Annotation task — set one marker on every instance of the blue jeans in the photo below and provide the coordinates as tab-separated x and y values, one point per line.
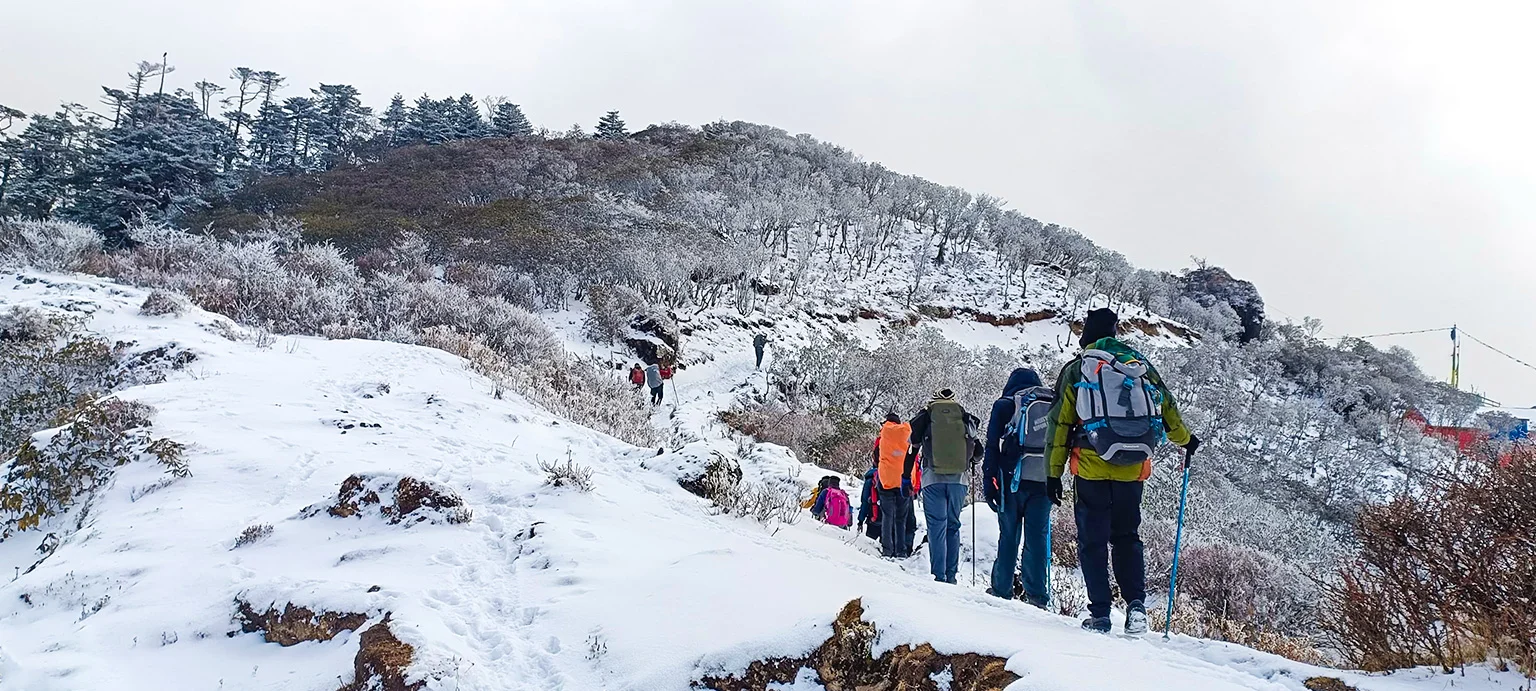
1025	513
941	506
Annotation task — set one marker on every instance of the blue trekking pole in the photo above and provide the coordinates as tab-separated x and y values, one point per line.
1178	539
1050	561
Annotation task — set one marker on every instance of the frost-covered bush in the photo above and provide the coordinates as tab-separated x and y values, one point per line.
50	245
567	473
611	311
53	470
161	303
46	366
826	438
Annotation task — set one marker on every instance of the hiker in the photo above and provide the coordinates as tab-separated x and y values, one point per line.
832	506
654	380
895	493
759	342
869	501
1016	486
1111	412
943	435
637	376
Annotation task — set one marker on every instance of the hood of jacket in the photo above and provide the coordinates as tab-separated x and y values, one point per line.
1021	379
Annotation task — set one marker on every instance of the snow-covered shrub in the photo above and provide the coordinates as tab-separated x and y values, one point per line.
398	499
762	502
253	534
53	470
50	245
161	303
611	310
568	473
46	366
826	438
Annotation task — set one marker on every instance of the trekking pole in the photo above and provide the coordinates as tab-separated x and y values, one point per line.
1050	560
970	484
1178	540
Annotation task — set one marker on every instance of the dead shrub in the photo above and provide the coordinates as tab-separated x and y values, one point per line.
1446	575
568	473
253	534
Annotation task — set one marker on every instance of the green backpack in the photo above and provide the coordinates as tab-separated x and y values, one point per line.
947	440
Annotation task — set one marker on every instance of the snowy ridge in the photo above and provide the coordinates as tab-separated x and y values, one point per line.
635	585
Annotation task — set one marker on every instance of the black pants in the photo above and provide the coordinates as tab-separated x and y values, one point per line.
895	513
1109	518
759	350
656	394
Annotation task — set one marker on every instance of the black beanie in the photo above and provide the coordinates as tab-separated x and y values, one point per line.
1099	323
893	417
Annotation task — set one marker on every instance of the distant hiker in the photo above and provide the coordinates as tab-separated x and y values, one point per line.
869	501
666	372
654	380
636	375
832	506
1112	410
1016	486
895	489
944	436
759	342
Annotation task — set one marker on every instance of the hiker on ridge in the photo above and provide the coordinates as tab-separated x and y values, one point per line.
1016	485
1111	412
943	434
654	381
895	489
637	376
759	342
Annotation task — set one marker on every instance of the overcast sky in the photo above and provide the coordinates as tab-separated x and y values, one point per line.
1372	164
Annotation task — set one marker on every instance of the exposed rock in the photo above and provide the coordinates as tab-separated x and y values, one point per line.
1210	285
1014	319
409	500
935	311
381	662
845	662
295	624
1327	684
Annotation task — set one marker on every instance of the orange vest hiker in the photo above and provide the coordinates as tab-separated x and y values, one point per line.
892	452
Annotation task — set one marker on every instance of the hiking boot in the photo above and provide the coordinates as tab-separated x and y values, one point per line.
1097	624
1136	619
1037	602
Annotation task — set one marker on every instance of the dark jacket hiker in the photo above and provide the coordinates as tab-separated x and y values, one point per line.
1014	481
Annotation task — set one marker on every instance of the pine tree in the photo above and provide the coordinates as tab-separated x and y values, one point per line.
342	124
168	163
509	121
393	124
467	121
301	115
430	121
44	161
611	127
271	145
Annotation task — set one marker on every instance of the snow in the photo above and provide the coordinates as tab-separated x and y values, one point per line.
635	585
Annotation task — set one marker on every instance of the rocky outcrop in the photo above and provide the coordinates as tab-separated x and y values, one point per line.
845	662
381	662
398	499
1327	684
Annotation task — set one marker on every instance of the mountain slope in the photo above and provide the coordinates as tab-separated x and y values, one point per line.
637	584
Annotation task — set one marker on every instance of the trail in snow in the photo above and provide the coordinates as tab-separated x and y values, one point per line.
636	585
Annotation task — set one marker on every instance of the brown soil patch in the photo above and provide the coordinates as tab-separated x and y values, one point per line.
845	662
295	624
1327	684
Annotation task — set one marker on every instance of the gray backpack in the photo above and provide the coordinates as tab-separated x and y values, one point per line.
1025	434
1121	410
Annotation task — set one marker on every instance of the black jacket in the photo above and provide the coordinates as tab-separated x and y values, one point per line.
998	461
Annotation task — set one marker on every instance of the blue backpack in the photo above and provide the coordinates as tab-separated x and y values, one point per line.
1024	435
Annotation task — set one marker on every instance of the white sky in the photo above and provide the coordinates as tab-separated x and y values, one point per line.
1370	163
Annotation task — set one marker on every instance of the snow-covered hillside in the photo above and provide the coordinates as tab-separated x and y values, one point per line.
637	584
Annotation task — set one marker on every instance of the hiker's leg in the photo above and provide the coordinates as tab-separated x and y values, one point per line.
935	515
1036	507
1092	509
909	527
954	503
891	523
1125	538
1009	522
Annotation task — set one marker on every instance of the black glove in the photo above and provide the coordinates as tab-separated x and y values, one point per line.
992	491
906	488
1190	448
1053	490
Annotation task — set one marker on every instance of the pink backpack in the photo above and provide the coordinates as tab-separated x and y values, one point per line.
838	511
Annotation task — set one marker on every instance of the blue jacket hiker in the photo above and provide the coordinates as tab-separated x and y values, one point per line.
1014	482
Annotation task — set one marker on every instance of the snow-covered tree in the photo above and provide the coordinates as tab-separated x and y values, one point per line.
508	121
610	126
